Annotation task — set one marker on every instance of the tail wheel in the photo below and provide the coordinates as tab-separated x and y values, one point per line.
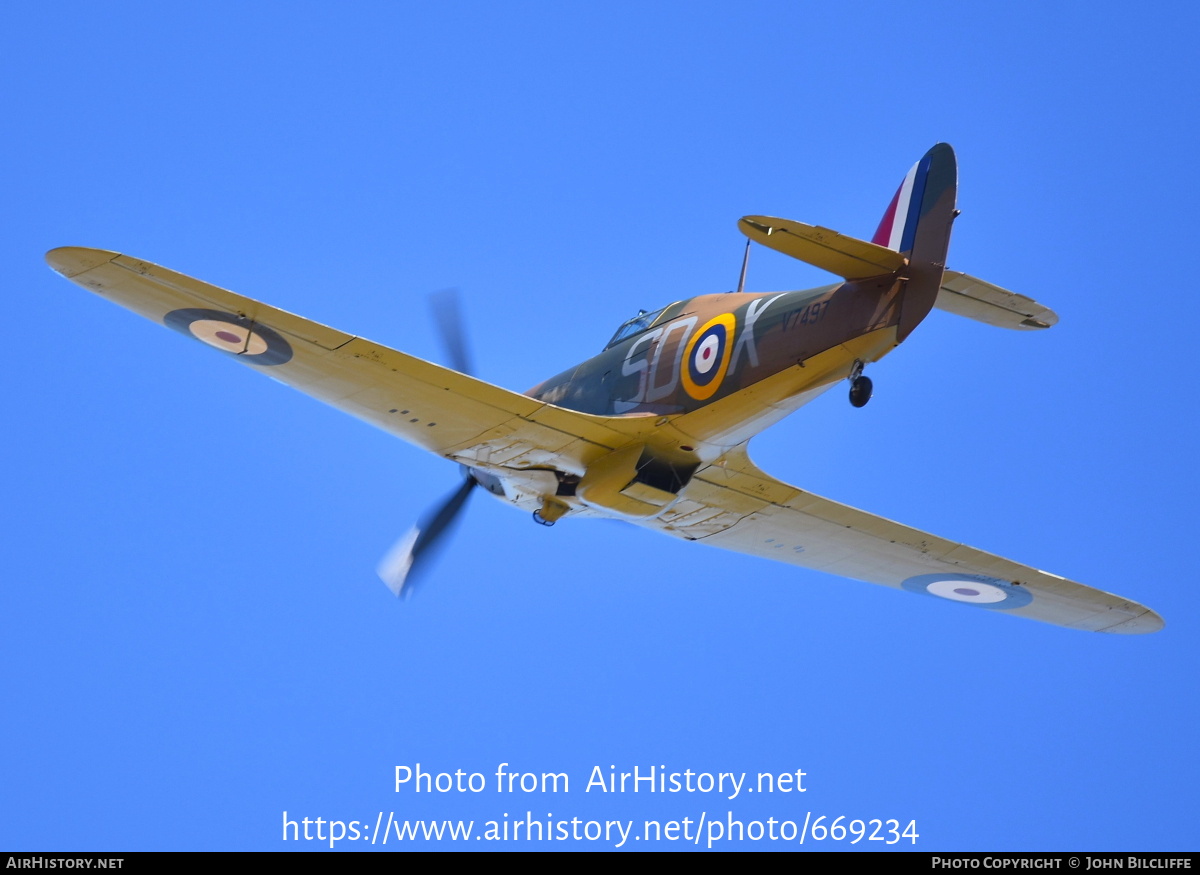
860	391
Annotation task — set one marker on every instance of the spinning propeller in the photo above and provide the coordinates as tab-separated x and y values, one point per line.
402	565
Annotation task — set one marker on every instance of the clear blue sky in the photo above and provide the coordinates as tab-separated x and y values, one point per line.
194	640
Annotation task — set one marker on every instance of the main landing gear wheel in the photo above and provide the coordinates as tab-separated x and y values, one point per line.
860	391
550	512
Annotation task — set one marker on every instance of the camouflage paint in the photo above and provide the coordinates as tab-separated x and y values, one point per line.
654	372
704	349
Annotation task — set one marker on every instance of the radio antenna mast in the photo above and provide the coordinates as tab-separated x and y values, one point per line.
745	263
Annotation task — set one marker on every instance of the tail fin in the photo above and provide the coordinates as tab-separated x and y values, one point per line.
917	225
930	176
911	241
904	211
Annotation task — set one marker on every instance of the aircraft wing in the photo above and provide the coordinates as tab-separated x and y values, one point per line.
436	408
735	505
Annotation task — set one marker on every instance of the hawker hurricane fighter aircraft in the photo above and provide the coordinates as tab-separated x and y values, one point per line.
654	429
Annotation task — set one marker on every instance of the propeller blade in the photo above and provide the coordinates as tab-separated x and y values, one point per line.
448	314
405	559
402	564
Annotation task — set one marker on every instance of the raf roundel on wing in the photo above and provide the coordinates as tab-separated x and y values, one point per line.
228	332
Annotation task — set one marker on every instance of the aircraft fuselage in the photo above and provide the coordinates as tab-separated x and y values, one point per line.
703	350
710	372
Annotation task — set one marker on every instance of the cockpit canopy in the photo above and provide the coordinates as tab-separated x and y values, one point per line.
636	325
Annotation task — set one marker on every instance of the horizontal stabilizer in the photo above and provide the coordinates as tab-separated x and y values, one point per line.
967	296
844	256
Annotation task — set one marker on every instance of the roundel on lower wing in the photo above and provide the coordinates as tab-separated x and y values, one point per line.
971	589
228	332
706	357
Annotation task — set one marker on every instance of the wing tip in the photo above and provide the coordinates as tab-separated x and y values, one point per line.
71	261
1143	624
